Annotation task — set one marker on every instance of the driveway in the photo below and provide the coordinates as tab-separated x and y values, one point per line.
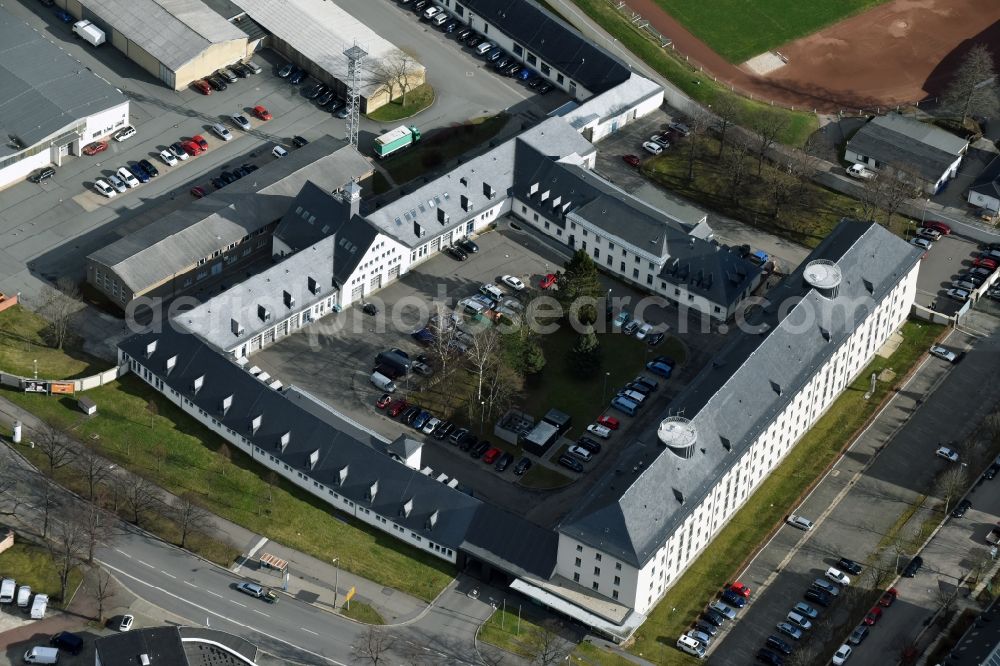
885	472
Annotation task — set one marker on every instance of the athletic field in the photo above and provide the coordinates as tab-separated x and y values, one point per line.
740	29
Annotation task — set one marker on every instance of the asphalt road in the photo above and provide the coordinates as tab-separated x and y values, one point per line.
885	471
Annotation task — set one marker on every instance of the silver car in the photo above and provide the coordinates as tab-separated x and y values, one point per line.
221	132
241	122
117	183
722	608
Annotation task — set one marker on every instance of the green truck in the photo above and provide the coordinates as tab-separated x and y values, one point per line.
396	139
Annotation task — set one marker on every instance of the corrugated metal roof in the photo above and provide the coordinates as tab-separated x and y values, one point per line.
175	32
43	90
898	141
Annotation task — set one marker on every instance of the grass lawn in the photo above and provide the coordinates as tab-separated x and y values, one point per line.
33	566
437	148
588	654
769	504
361	612
807	222
698	86
544	478
22	341
180	455
417	100
557	386
503	630
738	30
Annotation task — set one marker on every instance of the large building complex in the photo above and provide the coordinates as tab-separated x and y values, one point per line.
50	104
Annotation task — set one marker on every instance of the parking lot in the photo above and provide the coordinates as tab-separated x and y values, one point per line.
52	226
333	360
947	259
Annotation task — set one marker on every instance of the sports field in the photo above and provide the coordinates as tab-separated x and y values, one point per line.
740	29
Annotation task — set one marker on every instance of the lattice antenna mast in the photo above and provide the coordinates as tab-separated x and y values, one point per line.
355	58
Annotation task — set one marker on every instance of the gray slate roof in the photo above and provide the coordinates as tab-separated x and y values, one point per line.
43	90
178	240
512	542
635	507
703	267
366	462
988	182
555	42
177	646
399	218
174	32
897	140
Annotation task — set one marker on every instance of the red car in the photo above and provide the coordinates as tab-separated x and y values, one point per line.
382	402
202	87
873	616
96	147
940	227
740	589
198	192
631	160
609	422
491	456
888	597
396	407
983	262
191	148
200	140
261	112
548	281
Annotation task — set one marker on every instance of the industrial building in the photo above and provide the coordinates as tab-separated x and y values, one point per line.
50	105
177	41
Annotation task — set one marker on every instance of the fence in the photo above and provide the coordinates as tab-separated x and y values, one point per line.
33	385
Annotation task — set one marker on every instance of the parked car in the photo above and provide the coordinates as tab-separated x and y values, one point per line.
913	567
850	566
504	462
960	295
468	245
514	283
947	454
652	148
104	187
227	75
991	471
769	657
117	183
820	597
873	616
286	70
383	401
789	630
580	452
680	128
570	462
95	148
126	623
936	225
202	86
841	656
740	589
297	76
601	431
548	281
609	422
480	449
658	368
42	175
396	407
125	133
127	177
591	445
456	253
838	576
198	192
168	157
859	634
420	419
944	354
241	121
779	645
798	620
733	599
148	167
826	586
430	425
805	610
632	160
216	83
523	465
888	597
961	509
712	617
727	611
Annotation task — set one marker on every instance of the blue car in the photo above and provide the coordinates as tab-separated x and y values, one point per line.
733	599
139	172
526	74
659	368
423	336
297	76
421	419
64	16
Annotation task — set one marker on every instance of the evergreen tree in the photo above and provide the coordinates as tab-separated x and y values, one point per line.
579	280
585	357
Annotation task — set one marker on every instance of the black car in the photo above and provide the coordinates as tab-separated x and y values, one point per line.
286	70
589	444
457	435
706	627
480	448
569	462
450	26
468	442
44	174
500	63
544	88
818	597
410	414
646	383
218	183
228	177
325	98
297	76
463	34
474	41
991	471
962	507
241	70
523	465
64	640
443	430
494	55
639	387
713	617
505	460
250	168
150	169
457	253
315	91
299	141
535	82
913	567
778	645
419	4
216	83
850	566
370	309
769	657
655	339
511	69
468	246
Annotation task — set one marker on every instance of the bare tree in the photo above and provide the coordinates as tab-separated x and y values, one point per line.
96	526
880	573
66	548
544	645
727	111
735	162
804	655
483	354
442	350
767	127
272	480
973	90
139	496
373	646
698	123
46	502
871	198
191	518
59	305
951	484
991	426
54	444
946	597
103	591
93	468
393	73
226	455
979	563
900	184
153	411
502	384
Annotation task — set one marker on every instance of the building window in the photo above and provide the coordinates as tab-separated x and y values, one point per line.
623	267
618	566
597	253
532	59
576	578
618	580
578	562
545	70
579	548
614	594
595	585
597	571
649	279
518	51
597	556
635	273
559	79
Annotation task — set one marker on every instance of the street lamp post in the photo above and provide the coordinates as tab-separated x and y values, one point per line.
336	580
482	416
604	394
35	364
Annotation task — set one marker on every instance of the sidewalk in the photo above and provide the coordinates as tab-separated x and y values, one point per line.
310	580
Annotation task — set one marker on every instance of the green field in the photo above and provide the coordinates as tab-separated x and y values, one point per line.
740	29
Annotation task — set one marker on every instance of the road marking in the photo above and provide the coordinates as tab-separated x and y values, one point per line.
309	631
123	553
187	582
167	574
148	565
249	556
261	613
237	603
214	593
220	616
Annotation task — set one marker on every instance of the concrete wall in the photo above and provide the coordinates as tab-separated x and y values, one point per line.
79	385
102	124
213	58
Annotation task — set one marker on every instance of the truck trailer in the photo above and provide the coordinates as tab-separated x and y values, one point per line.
89	32
396	139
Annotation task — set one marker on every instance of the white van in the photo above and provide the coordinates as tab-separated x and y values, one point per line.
23	596
432	11
38	606
634	396
484	47
691	646
7	588
492	291
383	382
440	19
42	655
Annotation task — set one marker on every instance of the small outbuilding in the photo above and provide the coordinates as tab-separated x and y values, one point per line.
561	420
87	406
